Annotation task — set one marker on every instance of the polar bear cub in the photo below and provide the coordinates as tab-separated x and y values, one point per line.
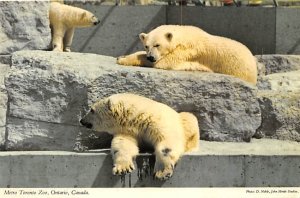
133	120
63	20
189	48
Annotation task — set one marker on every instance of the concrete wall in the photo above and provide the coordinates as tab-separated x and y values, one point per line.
288	31
263	30
63	169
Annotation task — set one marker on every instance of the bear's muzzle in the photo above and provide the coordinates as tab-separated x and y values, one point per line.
151	59
86	124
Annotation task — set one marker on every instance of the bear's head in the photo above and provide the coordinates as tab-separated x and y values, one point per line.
100	117
88	19
157	44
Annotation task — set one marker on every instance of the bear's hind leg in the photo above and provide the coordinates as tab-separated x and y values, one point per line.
167	156
124	149
68	39
57	38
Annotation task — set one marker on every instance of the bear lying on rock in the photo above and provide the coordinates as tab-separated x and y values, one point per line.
134	121
189	48
63	21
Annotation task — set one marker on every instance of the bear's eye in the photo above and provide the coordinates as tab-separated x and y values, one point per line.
146	46
92	111
157	45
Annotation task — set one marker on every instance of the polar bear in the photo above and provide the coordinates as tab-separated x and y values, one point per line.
136	121
63	20
189	48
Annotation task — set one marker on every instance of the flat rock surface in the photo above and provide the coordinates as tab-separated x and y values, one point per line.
255	147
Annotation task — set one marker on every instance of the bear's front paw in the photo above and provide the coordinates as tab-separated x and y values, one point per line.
122	60
164	174
67	49
57	49
123	167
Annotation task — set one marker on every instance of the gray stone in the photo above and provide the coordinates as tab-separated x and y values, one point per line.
33	135
3	104
276	63
288	81
280	115
57	88
3	95
24	25
2	138
5	59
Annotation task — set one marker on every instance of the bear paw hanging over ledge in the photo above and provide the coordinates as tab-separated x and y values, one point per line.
134	120
63	20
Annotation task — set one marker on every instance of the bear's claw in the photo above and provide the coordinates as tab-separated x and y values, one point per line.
122	168
163	175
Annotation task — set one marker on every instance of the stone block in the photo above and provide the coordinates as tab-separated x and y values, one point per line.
24	26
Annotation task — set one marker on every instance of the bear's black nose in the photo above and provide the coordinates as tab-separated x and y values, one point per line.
151	59
97	22
86	124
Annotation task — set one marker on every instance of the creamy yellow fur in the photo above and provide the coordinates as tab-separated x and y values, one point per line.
189	48
63	20
134	120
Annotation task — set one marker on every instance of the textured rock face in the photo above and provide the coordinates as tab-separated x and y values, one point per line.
277	63
278	96
3	103
288	81
51	91
24	25
280	115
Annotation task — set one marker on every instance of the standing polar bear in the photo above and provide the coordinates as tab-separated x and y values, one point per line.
135	121
63	20
189	48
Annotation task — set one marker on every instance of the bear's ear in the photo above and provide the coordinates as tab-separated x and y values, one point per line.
109	105
169	36
142	36
83	15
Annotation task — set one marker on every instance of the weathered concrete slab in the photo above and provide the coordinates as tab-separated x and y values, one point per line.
258	35
277	33
93	169
287	28
255	147
279	171
117	34
280	115
24	25
57	87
